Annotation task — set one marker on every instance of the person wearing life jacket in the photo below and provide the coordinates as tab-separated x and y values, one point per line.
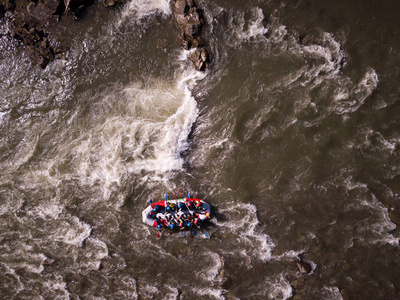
197	204
180	206
189	203
155	209
171	206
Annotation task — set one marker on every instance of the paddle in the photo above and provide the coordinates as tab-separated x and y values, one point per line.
206	234
179	193
194	232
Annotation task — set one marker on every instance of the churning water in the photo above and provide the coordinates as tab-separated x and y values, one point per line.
292	136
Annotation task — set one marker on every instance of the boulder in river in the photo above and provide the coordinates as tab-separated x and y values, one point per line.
304	267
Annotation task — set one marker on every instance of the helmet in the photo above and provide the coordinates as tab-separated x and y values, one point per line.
188	224
207	214
159	226
180	205
172	226
168	208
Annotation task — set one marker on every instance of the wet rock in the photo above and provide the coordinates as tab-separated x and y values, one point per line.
345	295
226	282
32	22
304	267
222	18
37	57
199	58
31	7
109	3
190	20
394	216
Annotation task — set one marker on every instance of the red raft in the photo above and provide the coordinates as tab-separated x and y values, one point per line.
177	214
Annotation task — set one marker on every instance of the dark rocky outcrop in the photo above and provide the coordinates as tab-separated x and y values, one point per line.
190	20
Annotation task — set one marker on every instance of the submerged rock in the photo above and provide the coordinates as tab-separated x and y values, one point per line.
304	267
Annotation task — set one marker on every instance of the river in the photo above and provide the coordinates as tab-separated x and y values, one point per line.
291	135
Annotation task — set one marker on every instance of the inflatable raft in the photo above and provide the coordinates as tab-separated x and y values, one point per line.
177	214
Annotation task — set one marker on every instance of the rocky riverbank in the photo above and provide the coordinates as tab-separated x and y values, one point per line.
31	23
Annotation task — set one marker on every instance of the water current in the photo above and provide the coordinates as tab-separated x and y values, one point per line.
291	135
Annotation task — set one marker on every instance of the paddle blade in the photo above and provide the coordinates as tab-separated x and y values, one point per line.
194	232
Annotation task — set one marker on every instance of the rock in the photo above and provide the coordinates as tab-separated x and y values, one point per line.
109	3
394	216
36	57
31	6
222	18
304	267
199	58
190	21
33	21
225	282
345	295
2	11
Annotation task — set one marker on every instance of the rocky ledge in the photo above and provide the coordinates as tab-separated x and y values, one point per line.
30	21
33	20
190	20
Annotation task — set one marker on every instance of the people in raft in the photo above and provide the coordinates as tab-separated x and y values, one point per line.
180	220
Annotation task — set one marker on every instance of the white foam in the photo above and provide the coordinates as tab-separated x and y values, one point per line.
349	98
126	288
59	285
331	293
377	229
242	221
274	288
255	28
279	288
72	232
139	9
210	272
209	292
143	127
